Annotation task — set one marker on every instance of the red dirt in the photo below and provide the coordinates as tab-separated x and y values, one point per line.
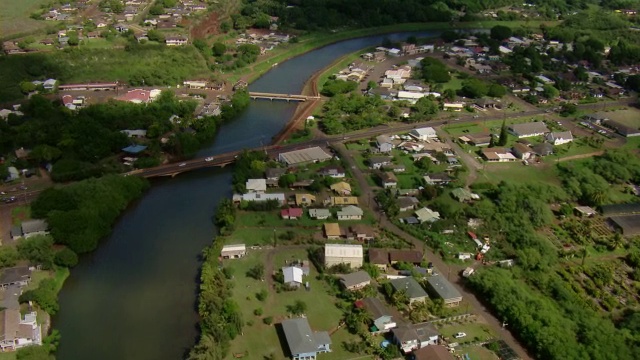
210	25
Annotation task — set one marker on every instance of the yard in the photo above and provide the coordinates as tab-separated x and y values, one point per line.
260	339
481	126
15	20
629	117
518	173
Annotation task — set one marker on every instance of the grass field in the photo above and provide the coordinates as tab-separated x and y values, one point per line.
480	126
518	173
629	117
15	20
260	339
455	83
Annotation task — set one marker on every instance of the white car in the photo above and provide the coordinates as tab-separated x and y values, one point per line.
210	158
459	335
183	164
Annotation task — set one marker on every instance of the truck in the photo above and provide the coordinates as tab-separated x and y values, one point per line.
468	272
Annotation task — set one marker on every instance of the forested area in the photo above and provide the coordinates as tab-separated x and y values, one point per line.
81	214
344	113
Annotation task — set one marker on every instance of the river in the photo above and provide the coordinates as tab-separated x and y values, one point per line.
135	297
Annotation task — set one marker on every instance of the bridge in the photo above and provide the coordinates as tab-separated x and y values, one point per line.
275	96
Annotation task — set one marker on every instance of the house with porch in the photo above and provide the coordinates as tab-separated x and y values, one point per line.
303	343
415	336
350	212
336	172
319	214
19	275
292	276
355	281
379	258
384	143
18	331
388	180
442	288
332	231
559	138
341	188
427	215
529	129
380	315
362	232
305	199
291	213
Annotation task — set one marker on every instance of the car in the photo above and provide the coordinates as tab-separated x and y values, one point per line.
183	164
459	335
22	187
210	158
3	193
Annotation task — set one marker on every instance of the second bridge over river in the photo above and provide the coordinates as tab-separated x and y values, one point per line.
287	97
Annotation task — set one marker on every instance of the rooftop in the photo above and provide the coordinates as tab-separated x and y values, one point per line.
410	256
352	279
343	250
443	287
378	256
14	274
300	338
410	285
304	156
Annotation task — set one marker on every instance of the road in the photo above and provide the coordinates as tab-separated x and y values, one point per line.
452	272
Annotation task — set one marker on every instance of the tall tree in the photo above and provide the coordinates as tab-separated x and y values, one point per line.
504	135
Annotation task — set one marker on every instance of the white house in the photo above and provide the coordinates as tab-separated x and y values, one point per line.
453	106
256	185
384	143
18	332
559	138
319	214
233	251
350	212
424	134
427	215
343	254
415	336
412	97
292	276
528	129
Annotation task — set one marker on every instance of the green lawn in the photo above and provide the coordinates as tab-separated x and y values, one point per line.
15	20
474	331
260	339
519	173
8	355
629	117
455	83
632	143
20	214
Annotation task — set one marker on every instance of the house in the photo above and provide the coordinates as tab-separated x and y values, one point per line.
396	168
343	254
433	352
443	289
407	203
559	138
427	215
305	199
498	155
415	336
258	197
19	275
291	213
622	129
379	258
34	227
292	276
378	312
627	225
362	232
302	342
542	149
16	232
341	188
437	179
49	84
273	175
14	174
464	195
343	200
304	156
384	143
376	162
528	129
256	185
412	289
453	106
620	209
336	172
479	139
424	134
350	212
584	211
389	180
408	256
356	280
17	332
234	251
136	96
319	214
522	152
176	40
332	231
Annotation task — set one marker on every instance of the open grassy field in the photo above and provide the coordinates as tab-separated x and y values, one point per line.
15	20
260	339
629	117
482	126
518	173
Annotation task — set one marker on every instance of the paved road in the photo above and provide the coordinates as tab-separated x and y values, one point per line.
452	272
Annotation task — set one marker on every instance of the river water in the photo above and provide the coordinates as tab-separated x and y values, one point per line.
135	297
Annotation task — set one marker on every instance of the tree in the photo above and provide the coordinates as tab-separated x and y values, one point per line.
156	9
225	26
218	48
434	71
371	85
66	258
501	32
504	135
549	91
497	90
34	352
256	272
474	88
27	87
38	250
8	256
297	308
155	35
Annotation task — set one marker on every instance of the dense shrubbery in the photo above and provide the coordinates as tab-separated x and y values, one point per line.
82	213
334	87
343	113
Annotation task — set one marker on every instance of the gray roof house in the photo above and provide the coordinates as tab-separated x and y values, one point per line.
319	214
20	275
381	316
377	162
414	291
292	275
384	143
350	212
34	227
356	280
528	129
444	290
415	336
303	343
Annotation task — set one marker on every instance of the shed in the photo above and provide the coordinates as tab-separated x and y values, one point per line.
233	251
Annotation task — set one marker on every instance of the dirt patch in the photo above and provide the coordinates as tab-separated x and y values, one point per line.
210	25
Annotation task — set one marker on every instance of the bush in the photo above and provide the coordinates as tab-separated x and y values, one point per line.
268	320
66	258
45	295
262	295
38	250
258	312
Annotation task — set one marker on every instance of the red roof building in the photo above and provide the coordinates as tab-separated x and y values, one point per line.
291	213
137	96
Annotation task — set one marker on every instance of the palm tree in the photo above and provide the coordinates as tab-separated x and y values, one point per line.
583	255
617	241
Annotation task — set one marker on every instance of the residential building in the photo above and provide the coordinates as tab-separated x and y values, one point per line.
415	336
19	275
305	199
234	251
427	215
291	213
176	40
479	139
464	195
411	287
433	352
362	232
453	106
585	211
376	162
17	332
356	280
336	172
528	129
319	214
542	149
498	155
522	151
379	258
437	179
292	276
34	227
424	134
407	203
350	212
413	257
304	156
343	200
258	197
332	231
559	138
136	96
256	185
379	313
384	143
303	343
343	254
274	174
341	188
621	129
389	180
443	289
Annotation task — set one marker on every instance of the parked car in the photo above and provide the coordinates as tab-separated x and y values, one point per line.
210	158
183	164
459	335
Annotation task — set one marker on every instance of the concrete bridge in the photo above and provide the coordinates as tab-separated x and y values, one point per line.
287	97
